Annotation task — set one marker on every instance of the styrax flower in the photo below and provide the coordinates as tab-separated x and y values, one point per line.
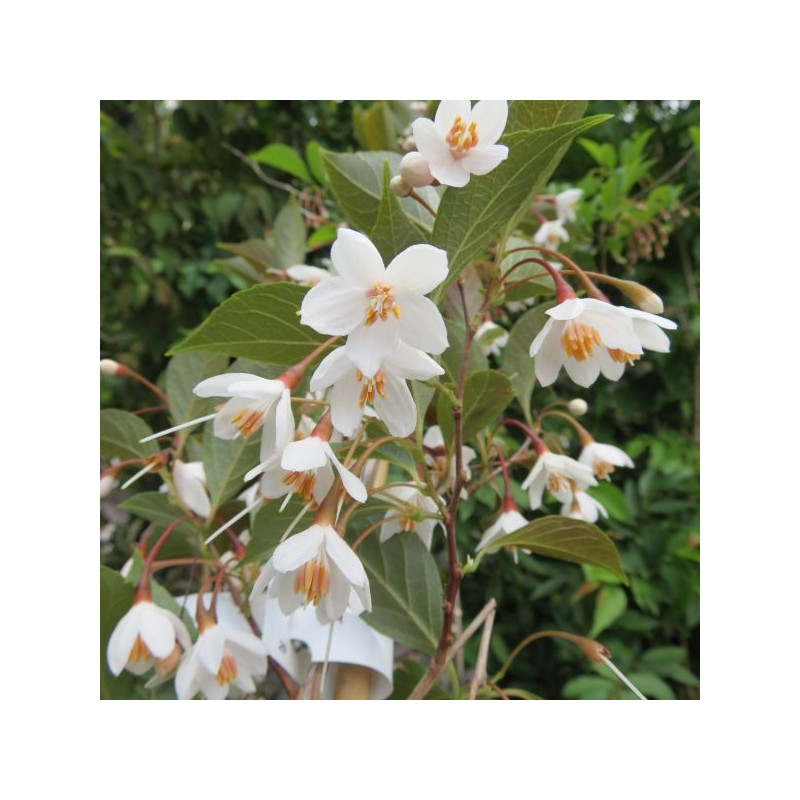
551	234
585	336
563	476
190	485
147	636
583	506
384	389
376	305
508	522
316	566
566	202
222	656
415	501
460	141
602	458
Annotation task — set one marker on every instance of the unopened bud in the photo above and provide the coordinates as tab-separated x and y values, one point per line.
107	483
594	651
577	407
646	299
108	366
415	170
399	187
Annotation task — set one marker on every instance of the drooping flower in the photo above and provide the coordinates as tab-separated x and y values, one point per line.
566	202
583	506
414	501
509	521
376	306
190	485
586	337
147	636
462	141
551	234
602	458
316	566
384	389
491	338
563	476
436	457
222	656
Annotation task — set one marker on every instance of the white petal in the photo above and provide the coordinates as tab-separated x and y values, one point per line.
191	489
408	362
335	307
298	549
484	159
305	454
549	358
651	336
585	372
368	345
430	142
613	370
346	412
333	368
420	268
450	172
218	385
210	647
261	389
490	117
420	324
355	488
356	259
348	562
397	409
447	113
157	632
569	309
122	638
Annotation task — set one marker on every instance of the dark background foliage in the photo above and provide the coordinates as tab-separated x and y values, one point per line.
175	183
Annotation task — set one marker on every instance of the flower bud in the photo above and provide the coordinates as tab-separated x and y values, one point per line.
646	299
399	187
577	407
107	483
108	366
415	171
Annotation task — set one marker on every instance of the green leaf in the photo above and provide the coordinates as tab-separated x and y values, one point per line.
374	127
357	183
268	526
120	432
649	685
322	236
451	358
315	164
604	154
184	372
610	605
226	461
486	395
517	362
406	590
393	230
566	539
259	253
284	158
289	236
469	218
261	323
613	500
530	288
589	687
407	675
116	599
158	508
528	115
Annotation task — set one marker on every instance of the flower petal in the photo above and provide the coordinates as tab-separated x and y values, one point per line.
346	412
211	647
420	324
419	268
355	488
122	638
348	562
157	632
549	358
217	386
448	111
484	159
368	345
356	259
430	142
408	362
397	409
490	117
333	368
305	454
335	307
298	549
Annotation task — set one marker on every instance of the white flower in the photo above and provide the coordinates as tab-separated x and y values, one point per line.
508	522
602	458
562	475
147	636
565	204
307	276
433	440
221	656
551	234
461	141
583	506
312	453
414	501
491	338
377	306
384	389
190	485
585	336
316	566
415	170
647	328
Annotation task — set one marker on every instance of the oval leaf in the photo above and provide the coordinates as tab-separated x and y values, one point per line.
120	432
393	230
284	158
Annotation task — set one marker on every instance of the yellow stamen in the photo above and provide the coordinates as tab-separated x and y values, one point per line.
621	356
371	385
301	483
313	581
227	670
579	340
247	421
602	468
462	138
380	301
139	651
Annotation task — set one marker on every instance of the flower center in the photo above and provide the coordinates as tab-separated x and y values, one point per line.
377	383
139	651
227	670
621	356
553	240
301	482
579	339
602	468
462	137
166	666
313	581
556	482
380	302
248	420
407	523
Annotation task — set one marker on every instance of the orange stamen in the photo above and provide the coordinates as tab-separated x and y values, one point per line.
621	356
579	340
227	670
462	138
380	302
313	581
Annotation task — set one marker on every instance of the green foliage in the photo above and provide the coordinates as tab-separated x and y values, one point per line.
120	433
486	395
283	158
116	599
394	231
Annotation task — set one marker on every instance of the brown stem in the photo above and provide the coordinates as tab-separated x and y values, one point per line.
422	202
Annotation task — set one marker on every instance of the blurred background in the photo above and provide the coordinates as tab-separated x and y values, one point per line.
179	178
